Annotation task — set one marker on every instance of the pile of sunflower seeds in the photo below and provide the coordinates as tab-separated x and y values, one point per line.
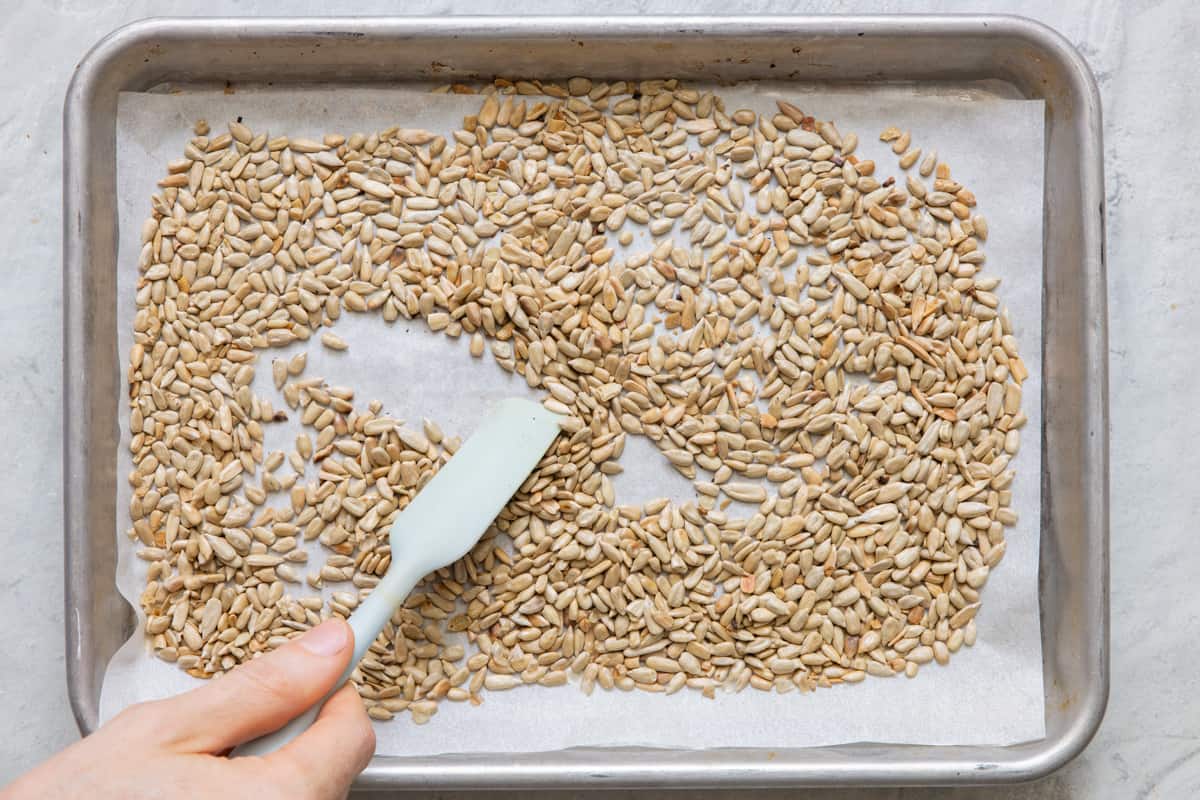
799	336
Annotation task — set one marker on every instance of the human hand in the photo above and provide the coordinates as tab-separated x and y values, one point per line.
175	747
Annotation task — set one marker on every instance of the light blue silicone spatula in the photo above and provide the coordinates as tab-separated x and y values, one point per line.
441	524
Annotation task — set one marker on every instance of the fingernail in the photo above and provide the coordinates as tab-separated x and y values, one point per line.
327	639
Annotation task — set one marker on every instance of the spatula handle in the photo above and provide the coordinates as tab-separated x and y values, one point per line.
367	621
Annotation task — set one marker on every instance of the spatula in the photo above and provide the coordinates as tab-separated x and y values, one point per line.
441	524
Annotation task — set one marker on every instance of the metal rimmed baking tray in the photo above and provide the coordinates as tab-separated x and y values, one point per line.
1017	55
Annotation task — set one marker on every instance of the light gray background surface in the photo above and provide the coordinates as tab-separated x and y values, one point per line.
1146	60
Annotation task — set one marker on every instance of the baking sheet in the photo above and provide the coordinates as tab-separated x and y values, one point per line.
989	694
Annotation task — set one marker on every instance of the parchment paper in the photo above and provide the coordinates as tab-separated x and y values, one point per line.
988	694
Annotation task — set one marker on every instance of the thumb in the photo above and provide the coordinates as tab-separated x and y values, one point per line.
261	695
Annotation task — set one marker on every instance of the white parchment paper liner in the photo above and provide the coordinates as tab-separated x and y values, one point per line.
989	694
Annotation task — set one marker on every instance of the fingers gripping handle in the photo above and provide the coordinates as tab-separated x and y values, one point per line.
367	621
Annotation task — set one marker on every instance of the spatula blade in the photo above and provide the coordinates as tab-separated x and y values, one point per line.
453	510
